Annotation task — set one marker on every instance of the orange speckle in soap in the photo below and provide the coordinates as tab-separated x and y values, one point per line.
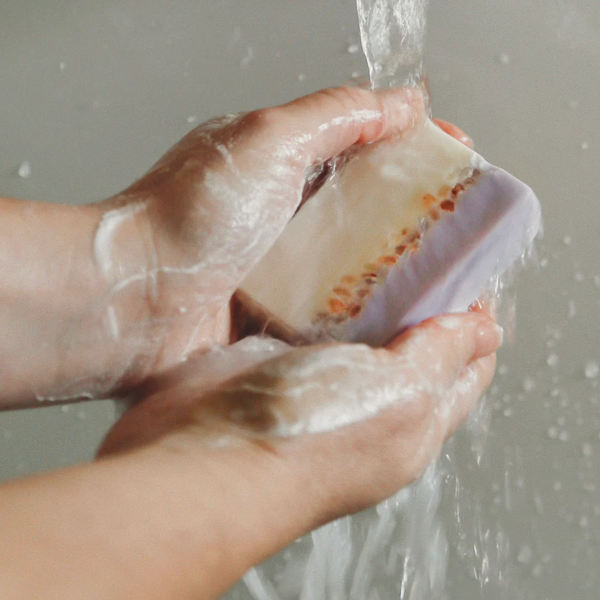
354	310
363	293
342	292
458	188
447	205
349	280
388	260
428	200
405	231
400	250
434	214
444	191
335	306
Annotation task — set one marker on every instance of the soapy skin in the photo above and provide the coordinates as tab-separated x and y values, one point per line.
233	451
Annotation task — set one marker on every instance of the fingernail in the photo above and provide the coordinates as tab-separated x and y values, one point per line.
489	338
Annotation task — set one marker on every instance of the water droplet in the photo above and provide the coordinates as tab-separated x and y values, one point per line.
552	360
597	280
503	370
585	145
553	433
557	486
504	58
529	384
588	450
509	412
353	48
564	436
525	555
573	104
584	522
579	277
64	408
192	119
572	309
355	74
592	370
567	241
25	170
537	571
544	263
62	66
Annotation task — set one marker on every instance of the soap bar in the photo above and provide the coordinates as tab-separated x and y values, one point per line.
413	227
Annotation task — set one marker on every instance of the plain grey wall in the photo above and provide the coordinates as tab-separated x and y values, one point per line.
93	91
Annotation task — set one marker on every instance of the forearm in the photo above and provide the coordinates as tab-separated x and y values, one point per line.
148	525
57	315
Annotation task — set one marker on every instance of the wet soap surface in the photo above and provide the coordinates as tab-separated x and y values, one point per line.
519	76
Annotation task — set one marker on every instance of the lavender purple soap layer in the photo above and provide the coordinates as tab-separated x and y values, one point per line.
412	228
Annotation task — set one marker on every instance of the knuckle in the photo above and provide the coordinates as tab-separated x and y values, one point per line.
346	97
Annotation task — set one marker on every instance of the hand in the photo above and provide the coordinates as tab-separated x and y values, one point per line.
278	440
181	239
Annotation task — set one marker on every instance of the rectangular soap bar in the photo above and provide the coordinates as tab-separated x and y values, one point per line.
413	227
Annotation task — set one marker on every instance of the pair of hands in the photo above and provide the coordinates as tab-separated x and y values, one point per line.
208	212
234	449
205	214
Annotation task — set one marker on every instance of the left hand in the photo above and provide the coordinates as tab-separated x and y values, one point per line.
212	207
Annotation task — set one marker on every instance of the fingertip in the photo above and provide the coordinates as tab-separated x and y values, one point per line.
402	109
460	337
456	132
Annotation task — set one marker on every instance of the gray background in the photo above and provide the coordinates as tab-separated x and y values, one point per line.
93	91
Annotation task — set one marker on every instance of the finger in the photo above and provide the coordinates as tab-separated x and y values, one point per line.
470	387
455	132
335	119
443	346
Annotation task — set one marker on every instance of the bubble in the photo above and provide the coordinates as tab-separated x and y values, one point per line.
529	384
585	145
553	432
503	370
552	360
564	436
192	119
353	48
579	277
301	77
504	58
567	241
592	370
25	170
525	555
